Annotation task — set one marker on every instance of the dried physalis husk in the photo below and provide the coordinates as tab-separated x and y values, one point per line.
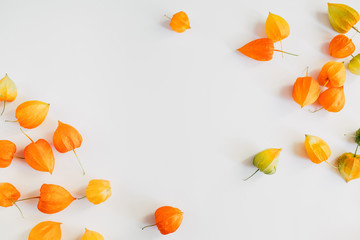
357	136
53	199
349	166
31	114
341	46
167	219
317	149
7	151
91	235
8	91
46	231
332	74
180	22
342	17
306	91
354	65
98	191
266	161
276	27
260	49
332	99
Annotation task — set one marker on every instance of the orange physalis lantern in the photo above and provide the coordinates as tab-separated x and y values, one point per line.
180	22
349	166
31	114
341	46
167	219
8	91
54	198
260	49
332	99
46	231
306	90
332	74
317	149
7	151
91	235
66	138
276	27
98	191
39	155
9	195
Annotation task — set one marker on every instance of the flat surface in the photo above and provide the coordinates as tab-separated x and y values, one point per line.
174	119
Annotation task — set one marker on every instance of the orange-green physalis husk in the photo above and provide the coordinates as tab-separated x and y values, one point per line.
276	27
342	17
8	91
266	161
91	235
354	65
349	166
47	230
317	149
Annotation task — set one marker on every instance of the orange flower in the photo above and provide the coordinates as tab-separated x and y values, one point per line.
260	49
332	99
8	91
91	235
341	46
54	198
7	151
98	191
8	195
46	231
332	74
39	155
317	149
180	22
66	138
276	27
306	90
31	114
167	219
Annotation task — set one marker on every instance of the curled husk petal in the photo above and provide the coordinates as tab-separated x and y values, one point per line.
260	49
306	91
276	27
98	191
54	198
7	151
8	194
168	219
180	22
8	91
349	166
31	114
267	160
341	46
91	235
354	65
342	17
39	156
332	99
332	74
46	231
317	149
66	138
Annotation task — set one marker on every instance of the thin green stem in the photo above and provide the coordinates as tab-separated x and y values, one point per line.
19	157
167	16
355	29
17	208
11	121
281	47
316	110
148	226
82	167
251	175
352	55
307	71
356	150
25	199
331	165
26	135
276	50
3	110
81	197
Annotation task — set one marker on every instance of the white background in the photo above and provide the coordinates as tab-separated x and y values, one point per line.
174	119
